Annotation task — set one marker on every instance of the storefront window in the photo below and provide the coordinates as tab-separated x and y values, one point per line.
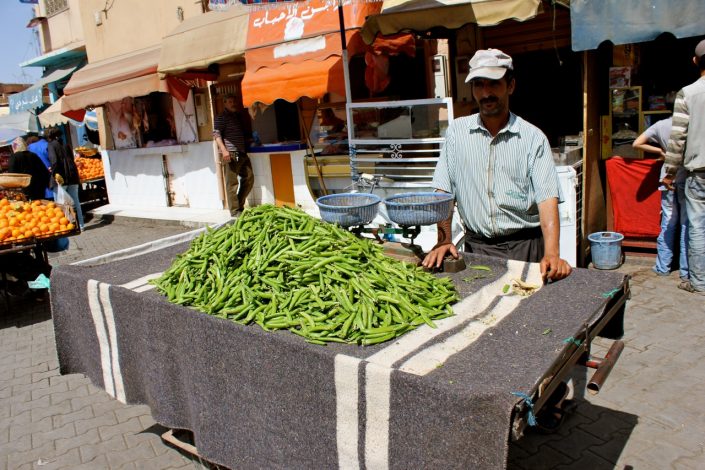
329	133
146	121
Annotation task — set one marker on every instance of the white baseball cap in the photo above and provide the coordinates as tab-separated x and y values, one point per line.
489	63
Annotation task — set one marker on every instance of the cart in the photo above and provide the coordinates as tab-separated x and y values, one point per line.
445	397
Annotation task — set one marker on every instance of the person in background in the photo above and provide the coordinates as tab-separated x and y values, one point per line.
673	214
64	170
40	147
500	169
689	126
24	161
229	135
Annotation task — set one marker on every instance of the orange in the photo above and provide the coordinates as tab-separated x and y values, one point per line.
63	221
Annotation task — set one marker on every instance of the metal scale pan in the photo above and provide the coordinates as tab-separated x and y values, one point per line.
412	210
349	209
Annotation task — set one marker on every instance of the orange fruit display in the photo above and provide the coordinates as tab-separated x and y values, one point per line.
21	220
89	168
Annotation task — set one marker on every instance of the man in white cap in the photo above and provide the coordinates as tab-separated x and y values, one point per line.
500	169
689	126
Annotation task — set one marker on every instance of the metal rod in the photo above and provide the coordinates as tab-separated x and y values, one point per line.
605	367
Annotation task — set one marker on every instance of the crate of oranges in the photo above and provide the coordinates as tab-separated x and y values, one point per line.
26	222
89	168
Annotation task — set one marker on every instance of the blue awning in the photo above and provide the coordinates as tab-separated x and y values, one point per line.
632	21
32	97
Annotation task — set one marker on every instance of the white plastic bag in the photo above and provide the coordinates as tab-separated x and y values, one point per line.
62	197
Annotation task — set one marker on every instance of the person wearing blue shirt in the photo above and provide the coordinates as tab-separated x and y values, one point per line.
40	146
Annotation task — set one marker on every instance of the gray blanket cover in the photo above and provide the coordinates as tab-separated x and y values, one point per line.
433	398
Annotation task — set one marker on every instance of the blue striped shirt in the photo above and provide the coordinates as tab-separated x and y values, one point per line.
498	181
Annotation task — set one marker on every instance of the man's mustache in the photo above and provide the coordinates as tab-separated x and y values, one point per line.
489	99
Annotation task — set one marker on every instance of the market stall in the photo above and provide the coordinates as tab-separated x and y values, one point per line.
92	191
28	229
444	397
151	151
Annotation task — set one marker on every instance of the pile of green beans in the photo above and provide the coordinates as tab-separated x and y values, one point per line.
283	269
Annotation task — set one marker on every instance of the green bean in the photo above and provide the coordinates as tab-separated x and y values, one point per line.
282	269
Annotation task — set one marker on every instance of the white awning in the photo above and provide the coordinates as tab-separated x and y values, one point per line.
421	15
52	115
133	74
213	37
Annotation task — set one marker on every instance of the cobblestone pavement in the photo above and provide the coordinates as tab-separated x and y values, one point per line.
647	416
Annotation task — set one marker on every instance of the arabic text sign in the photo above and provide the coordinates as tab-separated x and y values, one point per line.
26	100
291	21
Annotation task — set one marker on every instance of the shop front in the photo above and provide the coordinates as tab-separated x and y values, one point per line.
638	56
151	150
297	84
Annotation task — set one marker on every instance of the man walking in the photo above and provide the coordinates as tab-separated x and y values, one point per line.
230	138
686	148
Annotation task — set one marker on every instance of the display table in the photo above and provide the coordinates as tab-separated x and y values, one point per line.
433	398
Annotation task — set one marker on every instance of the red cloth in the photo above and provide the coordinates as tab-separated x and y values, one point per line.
636	200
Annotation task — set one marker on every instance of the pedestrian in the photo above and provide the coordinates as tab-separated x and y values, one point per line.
64	170
24	161
689	127
40	147
500	169
229	135
674	220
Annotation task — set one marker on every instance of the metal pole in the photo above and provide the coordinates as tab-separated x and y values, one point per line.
346	79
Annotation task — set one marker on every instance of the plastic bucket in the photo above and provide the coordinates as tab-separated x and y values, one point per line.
606	249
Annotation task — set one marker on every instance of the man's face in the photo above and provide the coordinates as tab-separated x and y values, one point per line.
230	104
492	95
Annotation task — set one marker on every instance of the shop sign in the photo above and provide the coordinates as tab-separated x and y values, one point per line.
26	100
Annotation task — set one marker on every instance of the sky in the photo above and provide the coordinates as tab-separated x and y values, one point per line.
17	43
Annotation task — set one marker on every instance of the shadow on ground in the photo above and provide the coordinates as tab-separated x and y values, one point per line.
26	310
592	437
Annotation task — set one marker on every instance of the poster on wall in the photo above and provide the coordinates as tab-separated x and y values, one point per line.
185	119
124	122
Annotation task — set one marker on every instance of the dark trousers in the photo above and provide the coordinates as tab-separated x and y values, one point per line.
236	191
524	245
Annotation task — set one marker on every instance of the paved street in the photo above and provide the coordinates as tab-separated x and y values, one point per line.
647	416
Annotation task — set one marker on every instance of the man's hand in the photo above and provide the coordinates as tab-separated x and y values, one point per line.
435	257
59	179
667	181
554	268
